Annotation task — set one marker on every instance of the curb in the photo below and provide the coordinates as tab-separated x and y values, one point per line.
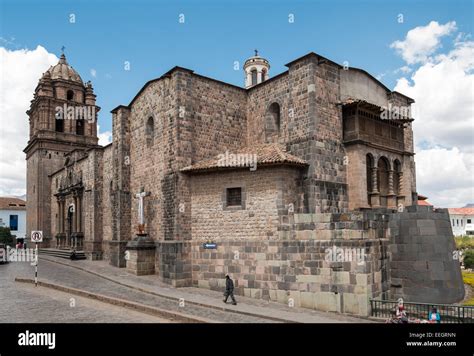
174	298
173	316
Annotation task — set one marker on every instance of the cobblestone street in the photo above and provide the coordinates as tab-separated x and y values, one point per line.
25	303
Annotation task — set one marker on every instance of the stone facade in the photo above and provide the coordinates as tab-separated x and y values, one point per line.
326	170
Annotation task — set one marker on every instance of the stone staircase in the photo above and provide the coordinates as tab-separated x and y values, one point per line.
62	253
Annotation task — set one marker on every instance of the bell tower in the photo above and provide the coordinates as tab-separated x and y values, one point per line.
256	70
62	118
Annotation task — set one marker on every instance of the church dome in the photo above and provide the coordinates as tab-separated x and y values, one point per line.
64	71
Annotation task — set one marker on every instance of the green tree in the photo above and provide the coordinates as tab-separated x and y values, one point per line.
469	259
6	236
465	241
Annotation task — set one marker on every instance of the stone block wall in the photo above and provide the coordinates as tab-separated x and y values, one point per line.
173	262
423	266
267	192
119	194
311	127
305	272
152	155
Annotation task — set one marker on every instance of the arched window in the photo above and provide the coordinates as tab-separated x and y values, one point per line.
272	123
397	169
150	131
59	125
69	95
264	75
369	163
253	72
80	127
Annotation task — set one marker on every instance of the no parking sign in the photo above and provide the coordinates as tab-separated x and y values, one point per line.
37	236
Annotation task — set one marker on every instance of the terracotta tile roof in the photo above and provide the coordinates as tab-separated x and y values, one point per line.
7	203
461	211
424	203
266	155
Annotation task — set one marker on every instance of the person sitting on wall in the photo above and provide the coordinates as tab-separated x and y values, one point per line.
400	312
434	316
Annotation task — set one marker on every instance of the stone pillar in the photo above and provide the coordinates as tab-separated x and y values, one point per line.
58	228
400	197
375	188
74	215
374	195
400	183
259	77
79	221
61	221
391	197
248	81
141	255
390	182
79	213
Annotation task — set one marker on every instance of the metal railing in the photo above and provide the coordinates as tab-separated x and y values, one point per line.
448	313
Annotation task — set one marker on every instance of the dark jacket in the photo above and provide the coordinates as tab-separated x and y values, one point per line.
229	285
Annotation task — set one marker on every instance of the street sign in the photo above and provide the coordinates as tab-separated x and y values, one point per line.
210	245
37	236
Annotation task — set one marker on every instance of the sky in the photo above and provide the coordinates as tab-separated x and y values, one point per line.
423	49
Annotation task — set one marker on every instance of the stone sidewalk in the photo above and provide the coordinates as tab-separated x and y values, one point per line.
206	298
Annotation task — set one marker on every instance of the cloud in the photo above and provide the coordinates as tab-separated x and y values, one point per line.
104	137
443	93
93	72
422	41
443	89
21	70
445	176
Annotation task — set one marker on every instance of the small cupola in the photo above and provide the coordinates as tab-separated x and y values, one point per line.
256	70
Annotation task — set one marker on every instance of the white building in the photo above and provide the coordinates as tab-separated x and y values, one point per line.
462	221
13	215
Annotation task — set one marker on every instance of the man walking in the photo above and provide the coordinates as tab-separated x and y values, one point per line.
229	290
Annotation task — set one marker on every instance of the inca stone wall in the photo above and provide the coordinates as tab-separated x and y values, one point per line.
423	265
299	270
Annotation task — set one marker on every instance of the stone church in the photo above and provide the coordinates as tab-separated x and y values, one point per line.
205	178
